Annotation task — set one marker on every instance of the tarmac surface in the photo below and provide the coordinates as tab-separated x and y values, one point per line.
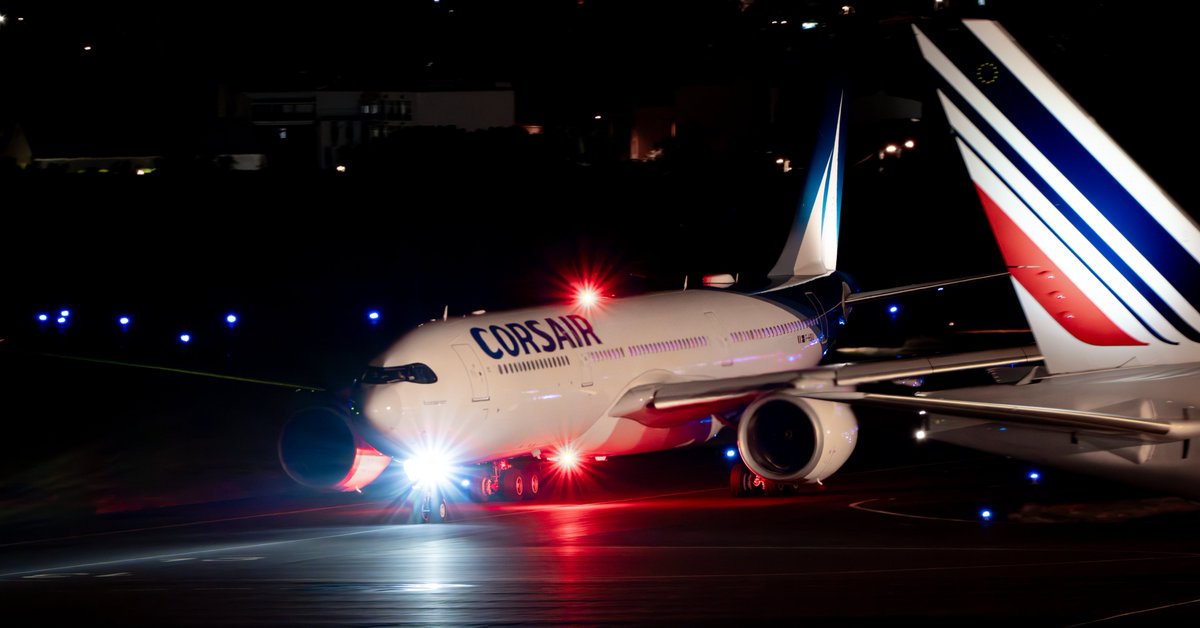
644	540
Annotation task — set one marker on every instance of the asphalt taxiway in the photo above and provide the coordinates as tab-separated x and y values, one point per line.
646	540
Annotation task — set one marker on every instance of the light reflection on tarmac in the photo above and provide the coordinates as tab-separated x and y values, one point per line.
878	545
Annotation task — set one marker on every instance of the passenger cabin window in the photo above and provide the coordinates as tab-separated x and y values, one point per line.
416	373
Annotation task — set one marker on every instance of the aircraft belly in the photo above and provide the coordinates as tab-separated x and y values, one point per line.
617	437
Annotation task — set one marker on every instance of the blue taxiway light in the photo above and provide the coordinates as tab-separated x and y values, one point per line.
43	317
65	313
893	309
62	319
124	320
985	514
730	453
231	319
465	483
373	315
1035	476
185	338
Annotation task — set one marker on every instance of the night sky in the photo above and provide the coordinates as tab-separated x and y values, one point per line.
312	254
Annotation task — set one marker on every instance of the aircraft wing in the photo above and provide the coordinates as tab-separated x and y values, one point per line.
675	403
1086	420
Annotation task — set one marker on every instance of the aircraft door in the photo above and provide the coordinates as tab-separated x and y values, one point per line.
585	361
721	337
479	387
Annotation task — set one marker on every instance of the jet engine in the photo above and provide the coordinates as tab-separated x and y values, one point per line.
794	440
320	448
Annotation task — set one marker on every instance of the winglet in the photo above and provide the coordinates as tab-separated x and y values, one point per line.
1105	265
811	248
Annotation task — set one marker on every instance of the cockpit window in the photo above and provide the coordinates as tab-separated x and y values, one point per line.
416	373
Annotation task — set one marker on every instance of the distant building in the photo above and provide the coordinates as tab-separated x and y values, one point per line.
315	129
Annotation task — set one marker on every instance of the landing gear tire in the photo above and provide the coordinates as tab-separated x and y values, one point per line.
429	512
482	487
533	483
741	481
512	484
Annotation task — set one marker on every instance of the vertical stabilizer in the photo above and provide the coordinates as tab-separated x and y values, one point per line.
1106	266
811	249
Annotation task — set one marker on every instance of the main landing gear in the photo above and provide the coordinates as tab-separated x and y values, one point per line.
744	483
504	480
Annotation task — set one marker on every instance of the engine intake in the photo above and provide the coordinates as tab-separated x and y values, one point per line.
790	439
319	448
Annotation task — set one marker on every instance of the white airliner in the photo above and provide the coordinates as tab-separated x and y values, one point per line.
1105	265
492	400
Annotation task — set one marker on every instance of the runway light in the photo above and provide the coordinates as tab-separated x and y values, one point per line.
43	318
920	435
185	338
985	514
731	453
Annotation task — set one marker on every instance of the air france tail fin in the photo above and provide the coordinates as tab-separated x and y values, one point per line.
1105	265
811	249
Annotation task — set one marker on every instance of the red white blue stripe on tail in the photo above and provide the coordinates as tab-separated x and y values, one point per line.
1105	264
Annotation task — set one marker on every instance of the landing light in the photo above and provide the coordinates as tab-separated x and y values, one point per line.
427	469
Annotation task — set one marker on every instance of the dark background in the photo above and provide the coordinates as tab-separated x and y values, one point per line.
302	256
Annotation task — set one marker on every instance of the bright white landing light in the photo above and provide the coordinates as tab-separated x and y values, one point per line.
427	469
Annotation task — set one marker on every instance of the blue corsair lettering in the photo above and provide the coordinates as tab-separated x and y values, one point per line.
524	336
533	327
517	338
510	347
585	328
561	334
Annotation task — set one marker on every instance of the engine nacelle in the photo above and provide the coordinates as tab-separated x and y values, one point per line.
794	440
320	448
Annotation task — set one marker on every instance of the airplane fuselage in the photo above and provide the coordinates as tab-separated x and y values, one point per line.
536	380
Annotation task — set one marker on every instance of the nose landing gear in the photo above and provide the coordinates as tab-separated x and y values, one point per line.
433	507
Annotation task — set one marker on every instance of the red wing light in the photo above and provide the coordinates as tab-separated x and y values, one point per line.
587	296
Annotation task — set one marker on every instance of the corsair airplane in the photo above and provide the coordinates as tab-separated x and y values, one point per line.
492	401
1105	265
